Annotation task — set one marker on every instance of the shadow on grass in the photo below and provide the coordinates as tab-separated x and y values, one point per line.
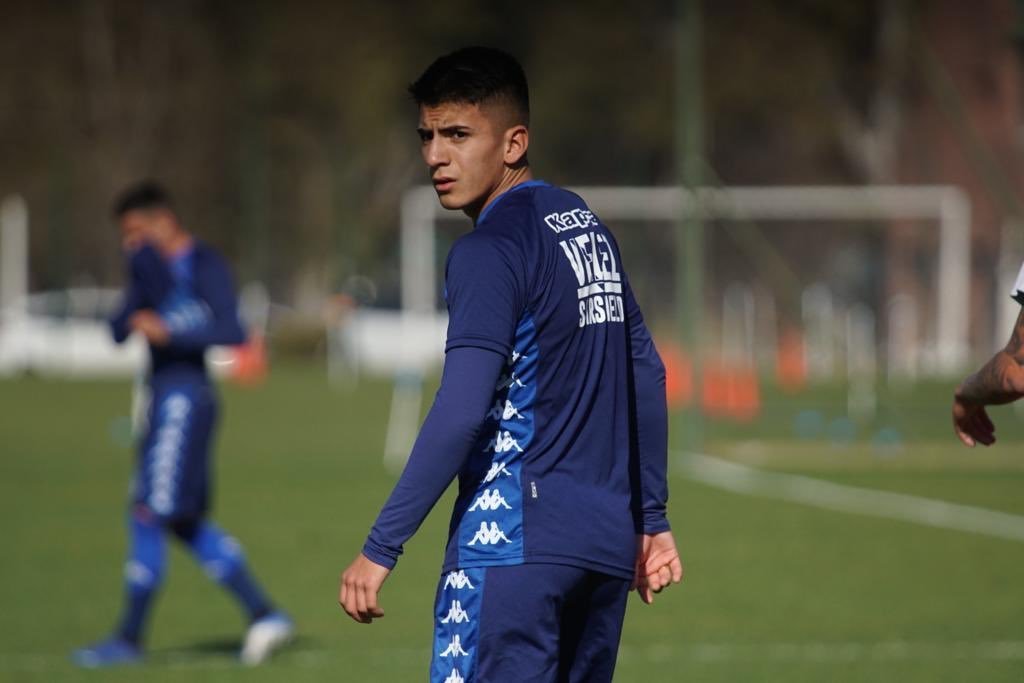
222	651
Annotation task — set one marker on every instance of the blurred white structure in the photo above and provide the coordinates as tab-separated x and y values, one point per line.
61	332
388	342
13	257
820	331
66	332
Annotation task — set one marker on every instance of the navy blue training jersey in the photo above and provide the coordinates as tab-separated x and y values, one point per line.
553	476
194	295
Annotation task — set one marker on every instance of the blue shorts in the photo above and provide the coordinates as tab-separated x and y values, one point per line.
542	623
172	478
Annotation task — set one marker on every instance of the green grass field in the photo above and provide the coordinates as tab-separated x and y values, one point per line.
775	590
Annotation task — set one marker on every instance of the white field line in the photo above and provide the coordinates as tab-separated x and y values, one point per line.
831	652
701	652
732	476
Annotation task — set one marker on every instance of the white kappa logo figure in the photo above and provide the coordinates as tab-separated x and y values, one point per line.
458	580
510	412
497	468
456	614
504	412
454	648
503	442
508	381
455	677
516	356
490	499
489	536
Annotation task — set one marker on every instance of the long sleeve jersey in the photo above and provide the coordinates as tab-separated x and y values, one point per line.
551	410
194	295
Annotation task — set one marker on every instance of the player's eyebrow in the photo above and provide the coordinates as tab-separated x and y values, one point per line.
445	131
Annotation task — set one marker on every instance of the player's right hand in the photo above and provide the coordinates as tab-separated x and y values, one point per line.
360	584
972	423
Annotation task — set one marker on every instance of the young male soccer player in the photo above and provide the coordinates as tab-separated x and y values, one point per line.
1000	380
551	411
181	298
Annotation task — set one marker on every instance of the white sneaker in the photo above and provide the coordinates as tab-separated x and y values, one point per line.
265	636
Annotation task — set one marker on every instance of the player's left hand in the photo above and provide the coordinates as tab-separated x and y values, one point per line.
151	326
360	584
972	423
657	565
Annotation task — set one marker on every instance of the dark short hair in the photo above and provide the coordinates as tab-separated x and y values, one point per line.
144	195
475	75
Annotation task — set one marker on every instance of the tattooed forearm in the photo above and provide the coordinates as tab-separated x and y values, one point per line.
987	386
995	382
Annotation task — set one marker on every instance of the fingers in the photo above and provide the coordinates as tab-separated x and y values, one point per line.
676	566
347	597
664	577
644	591
372	611
973	425
653	582
964	437
986	421
961	425
979	430
657	578
359	599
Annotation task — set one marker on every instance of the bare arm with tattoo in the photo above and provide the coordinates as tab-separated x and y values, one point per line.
1001	380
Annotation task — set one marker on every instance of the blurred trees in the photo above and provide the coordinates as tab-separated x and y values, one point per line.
285	132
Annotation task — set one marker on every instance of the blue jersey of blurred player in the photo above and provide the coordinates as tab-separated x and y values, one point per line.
551	411
181	298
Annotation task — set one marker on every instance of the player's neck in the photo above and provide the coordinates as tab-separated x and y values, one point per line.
511	178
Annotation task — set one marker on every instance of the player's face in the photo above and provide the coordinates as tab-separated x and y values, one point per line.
465	150
157	227
134	225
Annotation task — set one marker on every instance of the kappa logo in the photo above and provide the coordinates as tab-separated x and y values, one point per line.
456	615
504	412
454	648
138	574
516	356
490	499
167	452
511	411
497	468
568	220
489	535
186	315
508	381
503	442
458	580
455	677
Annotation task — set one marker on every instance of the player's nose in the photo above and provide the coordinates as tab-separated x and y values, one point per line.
434	153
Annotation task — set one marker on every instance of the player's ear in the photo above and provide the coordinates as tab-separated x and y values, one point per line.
517	139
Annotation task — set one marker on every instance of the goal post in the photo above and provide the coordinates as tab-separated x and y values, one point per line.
945	206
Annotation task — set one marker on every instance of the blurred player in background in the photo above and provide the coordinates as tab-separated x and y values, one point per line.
181	298
999	381
551	411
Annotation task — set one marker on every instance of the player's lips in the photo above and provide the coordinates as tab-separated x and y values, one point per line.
443	184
